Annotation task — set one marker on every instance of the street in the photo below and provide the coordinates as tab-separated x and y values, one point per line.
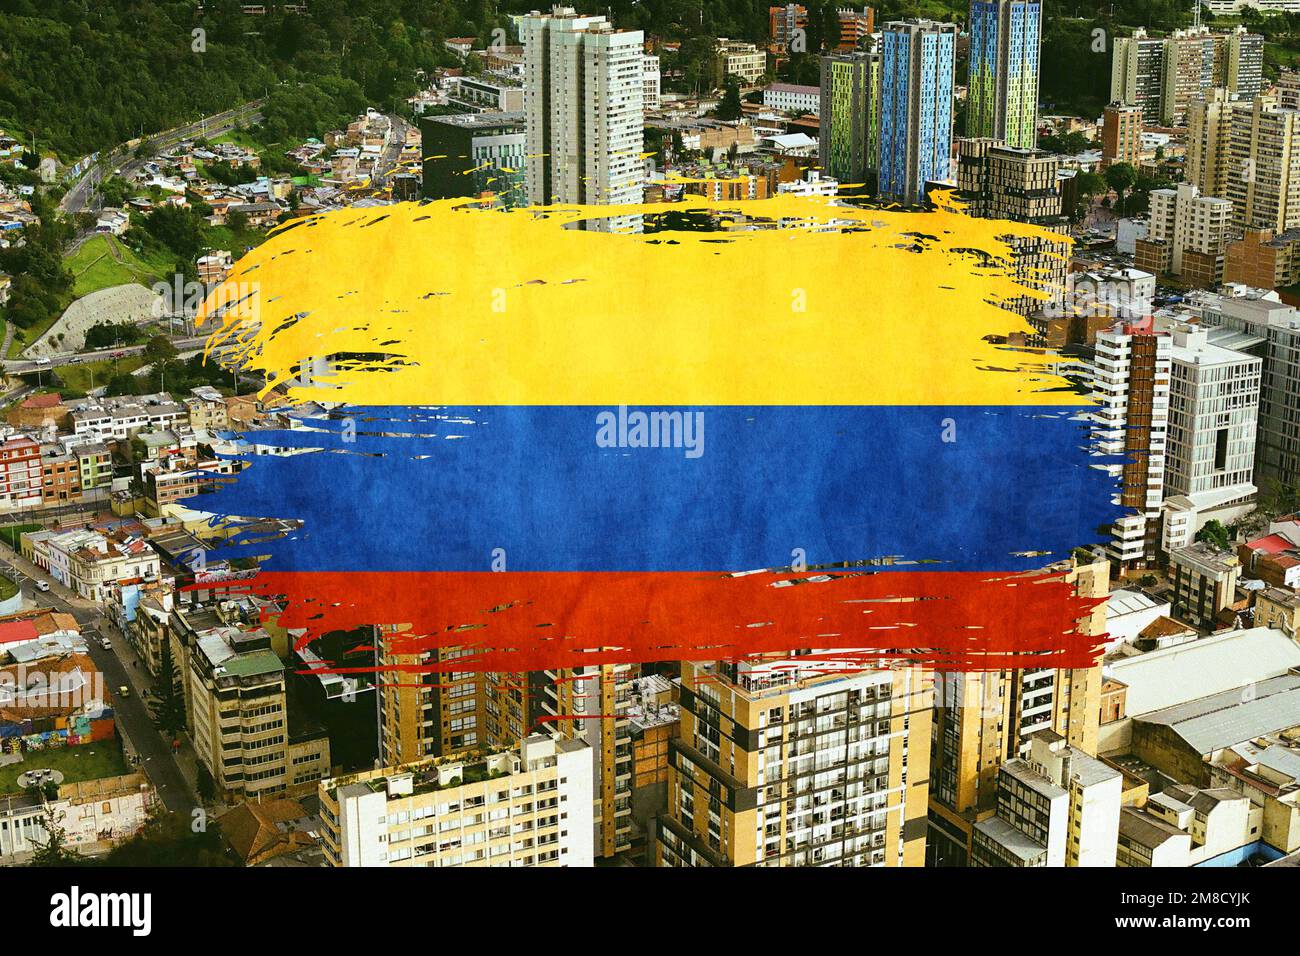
132	712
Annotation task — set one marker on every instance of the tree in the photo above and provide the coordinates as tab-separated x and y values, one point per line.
53	849
1120	177
204	783
167	706
159	349
1214	533
729	108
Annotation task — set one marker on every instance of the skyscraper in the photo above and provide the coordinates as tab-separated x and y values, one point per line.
916	88
849	141
1263	179
1002	96
1137	73
1209	127
583	89
789	761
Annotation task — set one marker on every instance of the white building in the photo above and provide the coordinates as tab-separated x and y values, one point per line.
1210	455
792	98
1131	384
1183	220
650	82
583	94
1057	807
527	807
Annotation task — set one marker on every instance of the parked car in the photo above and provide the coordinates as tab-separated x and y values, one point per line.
105	643
42	585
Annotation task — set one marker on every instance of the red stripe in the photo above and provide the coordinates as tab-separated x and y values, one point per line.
527	621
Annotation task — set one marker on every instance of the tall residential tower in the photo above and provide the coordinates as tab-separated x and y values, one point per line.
1002	96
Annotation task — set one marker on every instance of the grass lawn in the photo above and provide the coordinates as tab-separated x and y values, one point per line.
88	375
25	337
94	266
11	533
8	588
91	761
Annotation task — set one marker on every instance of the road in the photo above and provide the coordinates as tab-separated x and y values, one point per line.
84	195
22	366
132	712
393	151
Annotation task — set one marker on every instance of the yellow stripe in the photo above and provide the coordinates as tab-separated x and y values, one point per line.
476	307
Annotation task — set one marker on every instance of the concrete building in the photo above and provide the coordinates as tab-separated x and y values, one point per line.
848	116
89	563
1002	182
791	761
526	806
583	113
1188	826
1209	141
1121	134
1213	411
243	733
916	93
1057	807
1263	178
1205	582
792	98
1131	383
1002	90
1270	330
20	473
473	154
742	60
650	82
1263	259
1137	73
984	718
1187	235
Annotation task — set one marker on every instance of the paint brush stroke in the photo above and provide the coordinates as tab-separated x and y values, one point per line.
521	621
439	304
966	489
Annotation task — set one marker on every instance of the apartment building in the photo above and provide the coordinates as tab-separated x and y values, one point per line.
1057	807
1271	330
1131	383
916	93
90	563
1002	90
583	106
798	760
1205	582
1209	141
1263	180
1213	412
1186	236
1002	182
525	806
1137	73
234	685
1121	134
1213	822
982	719
20	473
849	122
742	60
1164	75
1263	259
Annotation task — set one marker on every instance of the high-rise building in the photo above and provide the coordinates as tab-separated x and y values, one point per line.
1137	73
849	138
1165	75
1121	134
1213	407
583	89
984	718
1131	384
523	806
1058	806
1187	235
1277	445
1263	178
789	761
1209	136
916	90
1002	94
1003	182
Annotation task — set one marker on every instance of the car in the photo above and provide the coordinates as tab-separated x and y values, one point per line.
42	585
105	643
76	359
124	691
